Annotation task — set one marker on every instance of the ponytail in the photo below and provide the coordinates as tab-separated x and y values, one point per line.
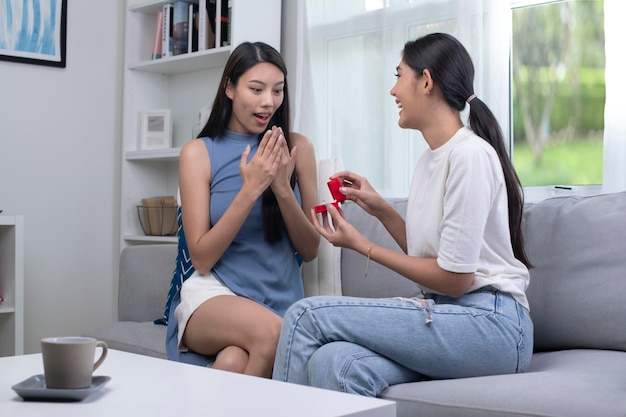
484	124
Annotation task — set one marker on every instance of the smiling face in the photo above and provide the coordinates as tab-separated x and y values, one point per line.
409	92
257	95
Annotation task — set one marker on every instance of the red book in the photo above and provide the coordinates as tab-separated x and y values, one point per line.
157	45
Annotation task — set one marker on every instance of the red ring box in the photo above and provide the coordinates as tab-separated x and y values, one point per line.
333	186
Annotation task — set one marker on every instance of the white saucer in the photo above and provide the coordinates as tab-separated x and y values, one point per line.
34	389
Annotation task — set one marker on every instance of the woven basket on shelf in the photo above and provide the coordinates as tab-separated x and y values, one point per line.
157	216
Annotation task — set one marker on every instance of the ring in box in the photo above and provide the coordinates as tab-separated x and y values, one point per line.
333	186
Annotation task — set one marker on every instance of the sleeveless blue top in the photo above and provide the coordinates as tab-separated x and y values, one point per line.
250	267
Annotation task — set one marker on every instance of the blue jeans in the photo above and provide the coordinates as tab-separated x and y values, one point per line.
364	345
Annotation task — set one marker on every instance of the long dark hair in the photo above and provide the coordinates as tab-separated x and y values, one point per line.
242	58
452	70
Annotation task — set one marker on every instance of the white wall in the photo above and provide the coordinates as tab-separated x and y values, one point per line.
59	167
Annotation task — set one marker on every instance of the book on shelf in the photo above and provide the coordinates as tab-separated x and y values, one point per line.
192	38
180	32
225	22
229	15
157	45
203	26
168	23
208	37
223	11
211	12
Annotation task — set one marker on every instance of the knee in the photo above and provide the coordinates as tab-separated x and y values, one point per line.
302	312
231	358
265	339
296	310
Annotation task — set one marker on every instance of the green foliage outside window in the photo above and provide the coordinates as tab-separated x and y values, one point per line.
558	66
577	106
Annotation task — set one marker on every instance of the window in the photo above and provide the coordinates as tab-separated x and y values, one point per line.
558	93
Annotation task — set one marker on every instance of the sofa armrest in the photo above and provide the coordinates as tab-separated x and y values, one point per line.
322	276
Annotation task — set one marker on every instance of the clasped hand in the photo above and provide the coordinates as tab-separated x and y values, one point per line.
271	166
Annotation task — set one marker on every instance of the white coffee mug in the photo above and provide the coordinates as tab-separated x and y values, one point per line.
69	361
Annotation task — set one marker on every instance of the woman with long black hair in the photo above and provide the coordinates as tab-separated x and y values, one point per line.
246	186
461	241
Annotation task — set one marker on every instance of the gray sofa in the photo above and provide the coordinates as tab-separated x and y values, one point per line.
144	280
577	297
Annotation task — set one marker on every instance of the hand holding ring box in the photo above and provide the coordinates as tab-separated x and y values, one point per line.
333	185
68	362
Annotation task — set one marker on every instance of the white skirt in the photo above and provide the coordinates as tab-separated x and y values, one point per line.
195	291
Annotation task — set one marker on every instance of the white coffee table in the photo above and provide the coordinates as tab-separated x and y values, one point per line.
144	386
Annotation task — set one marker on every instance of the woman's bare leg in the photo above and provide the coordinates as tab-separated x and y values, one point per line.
231	358
227	320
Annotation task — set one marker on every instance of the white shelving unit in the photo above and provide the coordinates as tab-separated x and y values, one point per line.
183	84
11	285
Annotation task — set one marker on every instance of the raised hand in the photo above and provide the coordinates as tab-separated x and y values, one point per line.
259	173
287	163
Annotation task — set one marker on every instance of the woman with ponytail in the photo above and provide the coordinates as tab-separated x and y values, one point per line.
462	244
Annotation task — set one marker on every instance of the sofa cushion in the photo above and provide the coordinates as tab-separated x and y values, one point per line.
570	383
380	281
144	282
145	338
577	290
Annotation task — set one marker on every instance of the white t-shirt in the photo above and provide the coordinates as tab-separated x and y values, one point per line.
458	213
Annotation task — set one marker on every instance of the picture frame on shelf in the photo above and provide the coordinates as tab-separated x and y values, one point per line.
156	130
35	32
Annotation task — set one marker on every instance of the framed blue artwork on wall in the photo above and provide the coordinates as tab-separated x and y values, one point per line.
33	31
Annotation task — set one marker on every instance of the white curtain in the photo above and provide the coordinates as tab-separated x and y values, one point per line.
347	54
